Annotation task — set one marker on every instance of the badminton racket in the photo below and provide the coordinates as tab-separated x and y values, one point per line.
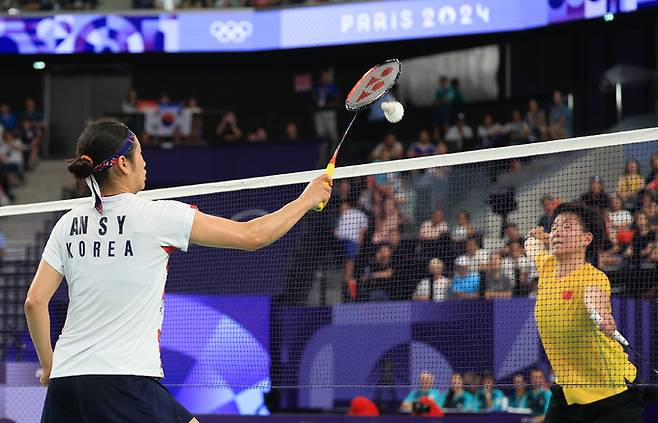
372	86
596	318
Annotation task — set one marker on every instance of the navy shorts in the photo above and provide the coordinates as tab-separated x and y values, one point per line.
109	399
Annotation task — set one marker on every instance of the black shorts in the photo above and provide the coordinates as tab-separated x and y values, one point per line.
109	399
625	407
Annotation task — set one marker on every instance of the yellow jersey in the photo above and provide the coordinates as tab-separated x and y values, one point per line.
588	365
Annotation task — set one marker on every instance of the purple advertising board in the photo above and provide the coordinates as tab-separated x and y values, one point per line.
251	30
199	354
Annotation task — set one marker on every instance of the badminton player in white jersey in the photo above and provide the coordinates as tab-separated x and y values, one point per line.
113	252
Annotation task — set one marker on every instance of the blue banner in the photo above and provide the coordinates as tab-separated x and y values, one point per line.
250	30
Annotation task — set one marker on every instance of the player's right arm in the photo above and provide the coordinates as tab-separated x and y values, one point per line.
45	283
213	231
536	242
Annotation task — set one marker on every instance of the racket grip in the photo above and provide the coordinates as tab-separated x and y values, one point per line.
596	317
329	171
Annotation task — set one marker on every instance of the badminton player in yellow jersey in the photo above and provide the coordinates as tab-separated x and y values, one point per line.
591	368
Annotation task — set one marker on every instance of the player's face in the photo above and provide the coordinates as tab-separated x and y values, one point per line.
567	235
138	168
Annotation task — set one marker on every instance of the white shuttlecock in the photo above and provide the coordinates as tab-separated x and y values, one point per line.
393	110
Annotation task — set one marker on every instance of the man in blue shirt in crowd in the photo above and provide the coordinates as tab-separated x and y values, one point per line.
465	284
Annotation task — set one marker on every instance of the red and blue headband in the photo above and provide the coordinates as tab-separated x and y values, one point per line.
123	150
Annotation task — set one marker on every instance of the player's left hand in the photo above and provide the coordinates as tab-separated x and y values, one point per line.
44	376
608	326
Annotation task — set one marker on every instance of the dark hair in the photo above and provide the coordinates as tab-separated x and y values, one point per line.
488	375
537	369
99	140
591	221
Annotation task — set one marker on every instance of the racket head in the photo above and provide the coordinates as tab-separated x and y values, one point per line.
373	85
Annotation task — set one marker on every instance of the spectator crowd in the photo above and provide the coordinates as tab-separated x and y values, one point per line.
470	393
391	249
21	136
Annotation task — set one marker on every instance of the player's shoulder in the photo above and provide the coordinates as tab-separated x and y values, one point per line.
544	259
595	273
79	210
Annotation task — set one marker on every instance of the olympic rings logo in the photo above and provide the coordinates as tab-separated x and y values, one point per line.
231	31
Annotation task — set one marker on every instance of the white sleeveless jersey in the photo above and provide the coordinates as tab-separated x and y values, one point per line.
116	267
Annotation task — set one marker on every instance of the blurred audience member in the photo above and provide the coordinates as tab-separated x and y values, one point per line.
435	227
472	385
496	283
465	284
649	207
391	218
426	390
476	256
362	406
228	129
652	177
291	132
517	130
511	234
630	184
620	235
390	144
596	197
377	279
464	229
457	397
519	397
536	121
490	398
520	269
618	216
559	118
325	95
460	136
11	150
490	133
31	114
350	232
436	286
166	101
540	396
549	204
422	147
258	135
192	108
7	118
31	140
457	98
129	104
643	243
442	104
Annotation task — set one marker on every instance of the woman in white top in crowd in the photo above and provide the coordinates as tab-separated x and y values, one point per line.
113	252
435	287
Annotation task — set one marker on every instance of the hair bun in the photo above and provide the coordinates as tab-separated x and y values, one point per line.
82	167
